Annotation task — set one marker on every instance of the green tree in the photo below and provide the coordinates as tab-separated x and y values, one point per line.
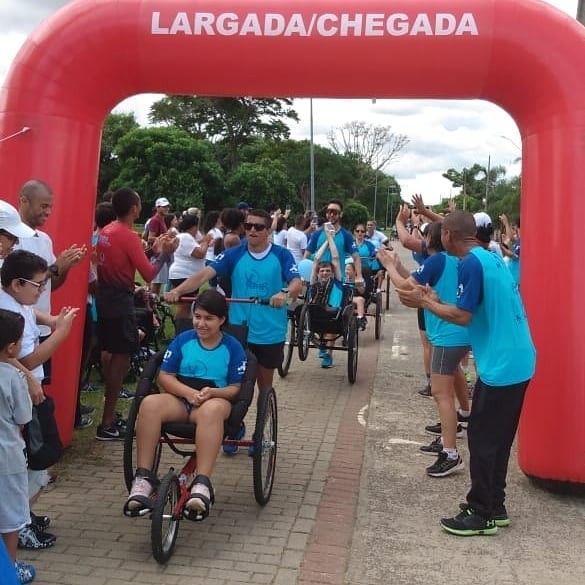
169	162
261	184
354	213
115	126
230	122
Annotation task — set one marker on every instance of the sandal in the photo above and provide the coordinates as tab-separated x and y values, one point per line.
202	497
142	495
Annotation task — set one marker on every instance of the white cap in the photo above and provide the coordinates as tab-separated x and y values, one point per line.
482	219
348	260
10	221
162	202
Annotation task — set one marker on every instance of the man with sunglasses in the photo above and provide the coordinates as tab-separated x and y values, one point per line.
343	239
258	269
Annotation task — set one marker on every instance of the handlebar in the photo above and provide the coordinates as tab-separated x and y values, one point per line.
251	300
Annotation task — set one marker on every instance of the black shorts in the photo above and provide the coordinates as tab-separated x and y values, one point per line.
47	366
119	335
269	356
175	282
421	319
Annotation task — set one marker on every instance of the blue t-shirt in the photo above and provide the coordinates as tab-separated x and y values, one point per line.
367	252
225	364
420	258
343	241
262	278
514	263
498	330
440	272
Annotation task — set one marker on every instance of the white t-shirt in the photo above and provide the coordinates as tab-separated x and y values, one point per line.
41	245
377	238
279	238
215	233
30	337
184	265
296	242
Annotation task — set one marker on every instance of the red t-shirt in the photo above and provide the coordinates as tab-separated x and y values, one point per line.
120	255
156	226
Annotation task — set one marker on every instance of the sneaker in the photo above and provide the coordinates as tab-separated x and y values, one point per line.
500	515
327	361
464	420
41	522
436	430
119	421
84	421
31	538
86	409
444	466
24	573
113	432
124	393
426	392
434	448
89	388
468	523
323	352
362	323
233	449
141	495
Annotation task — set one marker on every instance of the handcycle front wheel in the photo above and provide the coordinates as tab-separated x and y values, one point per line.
378	322
165	522
265	444
352	350
289	346
304	333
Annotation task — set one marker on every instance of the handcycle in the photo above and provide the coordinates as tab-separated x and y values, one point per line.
168	507
318	326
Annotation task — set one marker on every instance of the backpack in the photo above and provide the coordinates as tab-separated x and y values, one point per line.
41	435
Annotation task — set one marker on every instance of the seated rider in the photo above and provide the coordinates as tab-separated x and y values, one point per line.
326	288
202	353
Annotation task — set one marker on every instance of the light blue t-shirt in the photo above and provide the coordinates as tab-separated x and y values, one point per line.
440	272
343	239
498	330
261	278
225	364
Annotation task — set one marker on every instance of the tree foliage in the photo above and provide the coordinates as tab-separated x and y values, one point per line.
168	162
231	122
368	148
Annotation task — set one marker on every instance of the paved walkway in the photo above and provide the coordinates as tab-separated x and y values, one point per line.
351	503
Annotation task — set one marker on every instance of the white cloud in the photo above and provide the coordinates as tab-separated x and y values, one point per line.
443	134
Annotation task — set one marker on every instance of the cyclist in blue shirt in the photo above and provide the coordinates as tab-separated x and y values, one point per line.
489	305
260	269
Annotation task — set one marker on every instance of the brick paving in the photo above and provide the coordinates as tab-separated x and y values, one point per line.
303	535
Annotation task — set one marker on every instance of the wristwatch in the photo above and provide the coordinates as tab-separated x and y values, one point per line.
284	290
54	270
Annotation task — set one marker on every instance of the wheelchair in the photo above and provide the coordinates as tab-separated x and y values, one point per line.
315	325
173	490
373	300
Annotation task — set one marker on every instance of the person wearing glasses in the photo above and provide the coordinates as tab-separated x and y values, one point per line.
343	239
258	268
24	276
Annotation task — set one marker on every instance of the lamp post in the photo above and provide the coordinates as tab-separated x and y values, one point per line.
391	189
312	158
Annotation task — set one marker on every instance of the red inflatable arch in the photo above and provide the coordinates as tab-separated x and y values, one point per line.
524	56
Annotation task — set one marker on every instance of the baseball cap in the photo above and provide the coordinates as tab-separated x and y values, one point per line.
243	205
10	221
162	202
482	219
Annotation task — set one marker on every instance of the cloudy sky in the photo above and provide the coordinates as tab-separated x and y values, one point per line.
443	134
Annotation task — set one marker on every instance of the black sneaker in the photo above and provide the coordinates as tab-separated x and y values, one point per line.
86	409
463	420
84	422
125	393
110	433
426	392
41	522
119	421
434	448
444	466
468	523
31	538
436	430
500	515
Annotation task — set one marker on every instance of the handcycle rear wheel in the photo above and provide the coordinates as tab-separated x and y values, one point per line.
352	350
387	292
165	524
304	333
378	322
129	462
289	346
265	444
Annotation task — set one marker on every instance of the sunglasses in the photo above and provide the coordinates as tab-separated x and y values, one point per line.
259	227
360	231
41	285
334	211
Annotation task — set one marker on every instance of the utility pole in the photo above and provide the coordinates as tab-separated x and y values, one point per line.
581	12
312	160
487	181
